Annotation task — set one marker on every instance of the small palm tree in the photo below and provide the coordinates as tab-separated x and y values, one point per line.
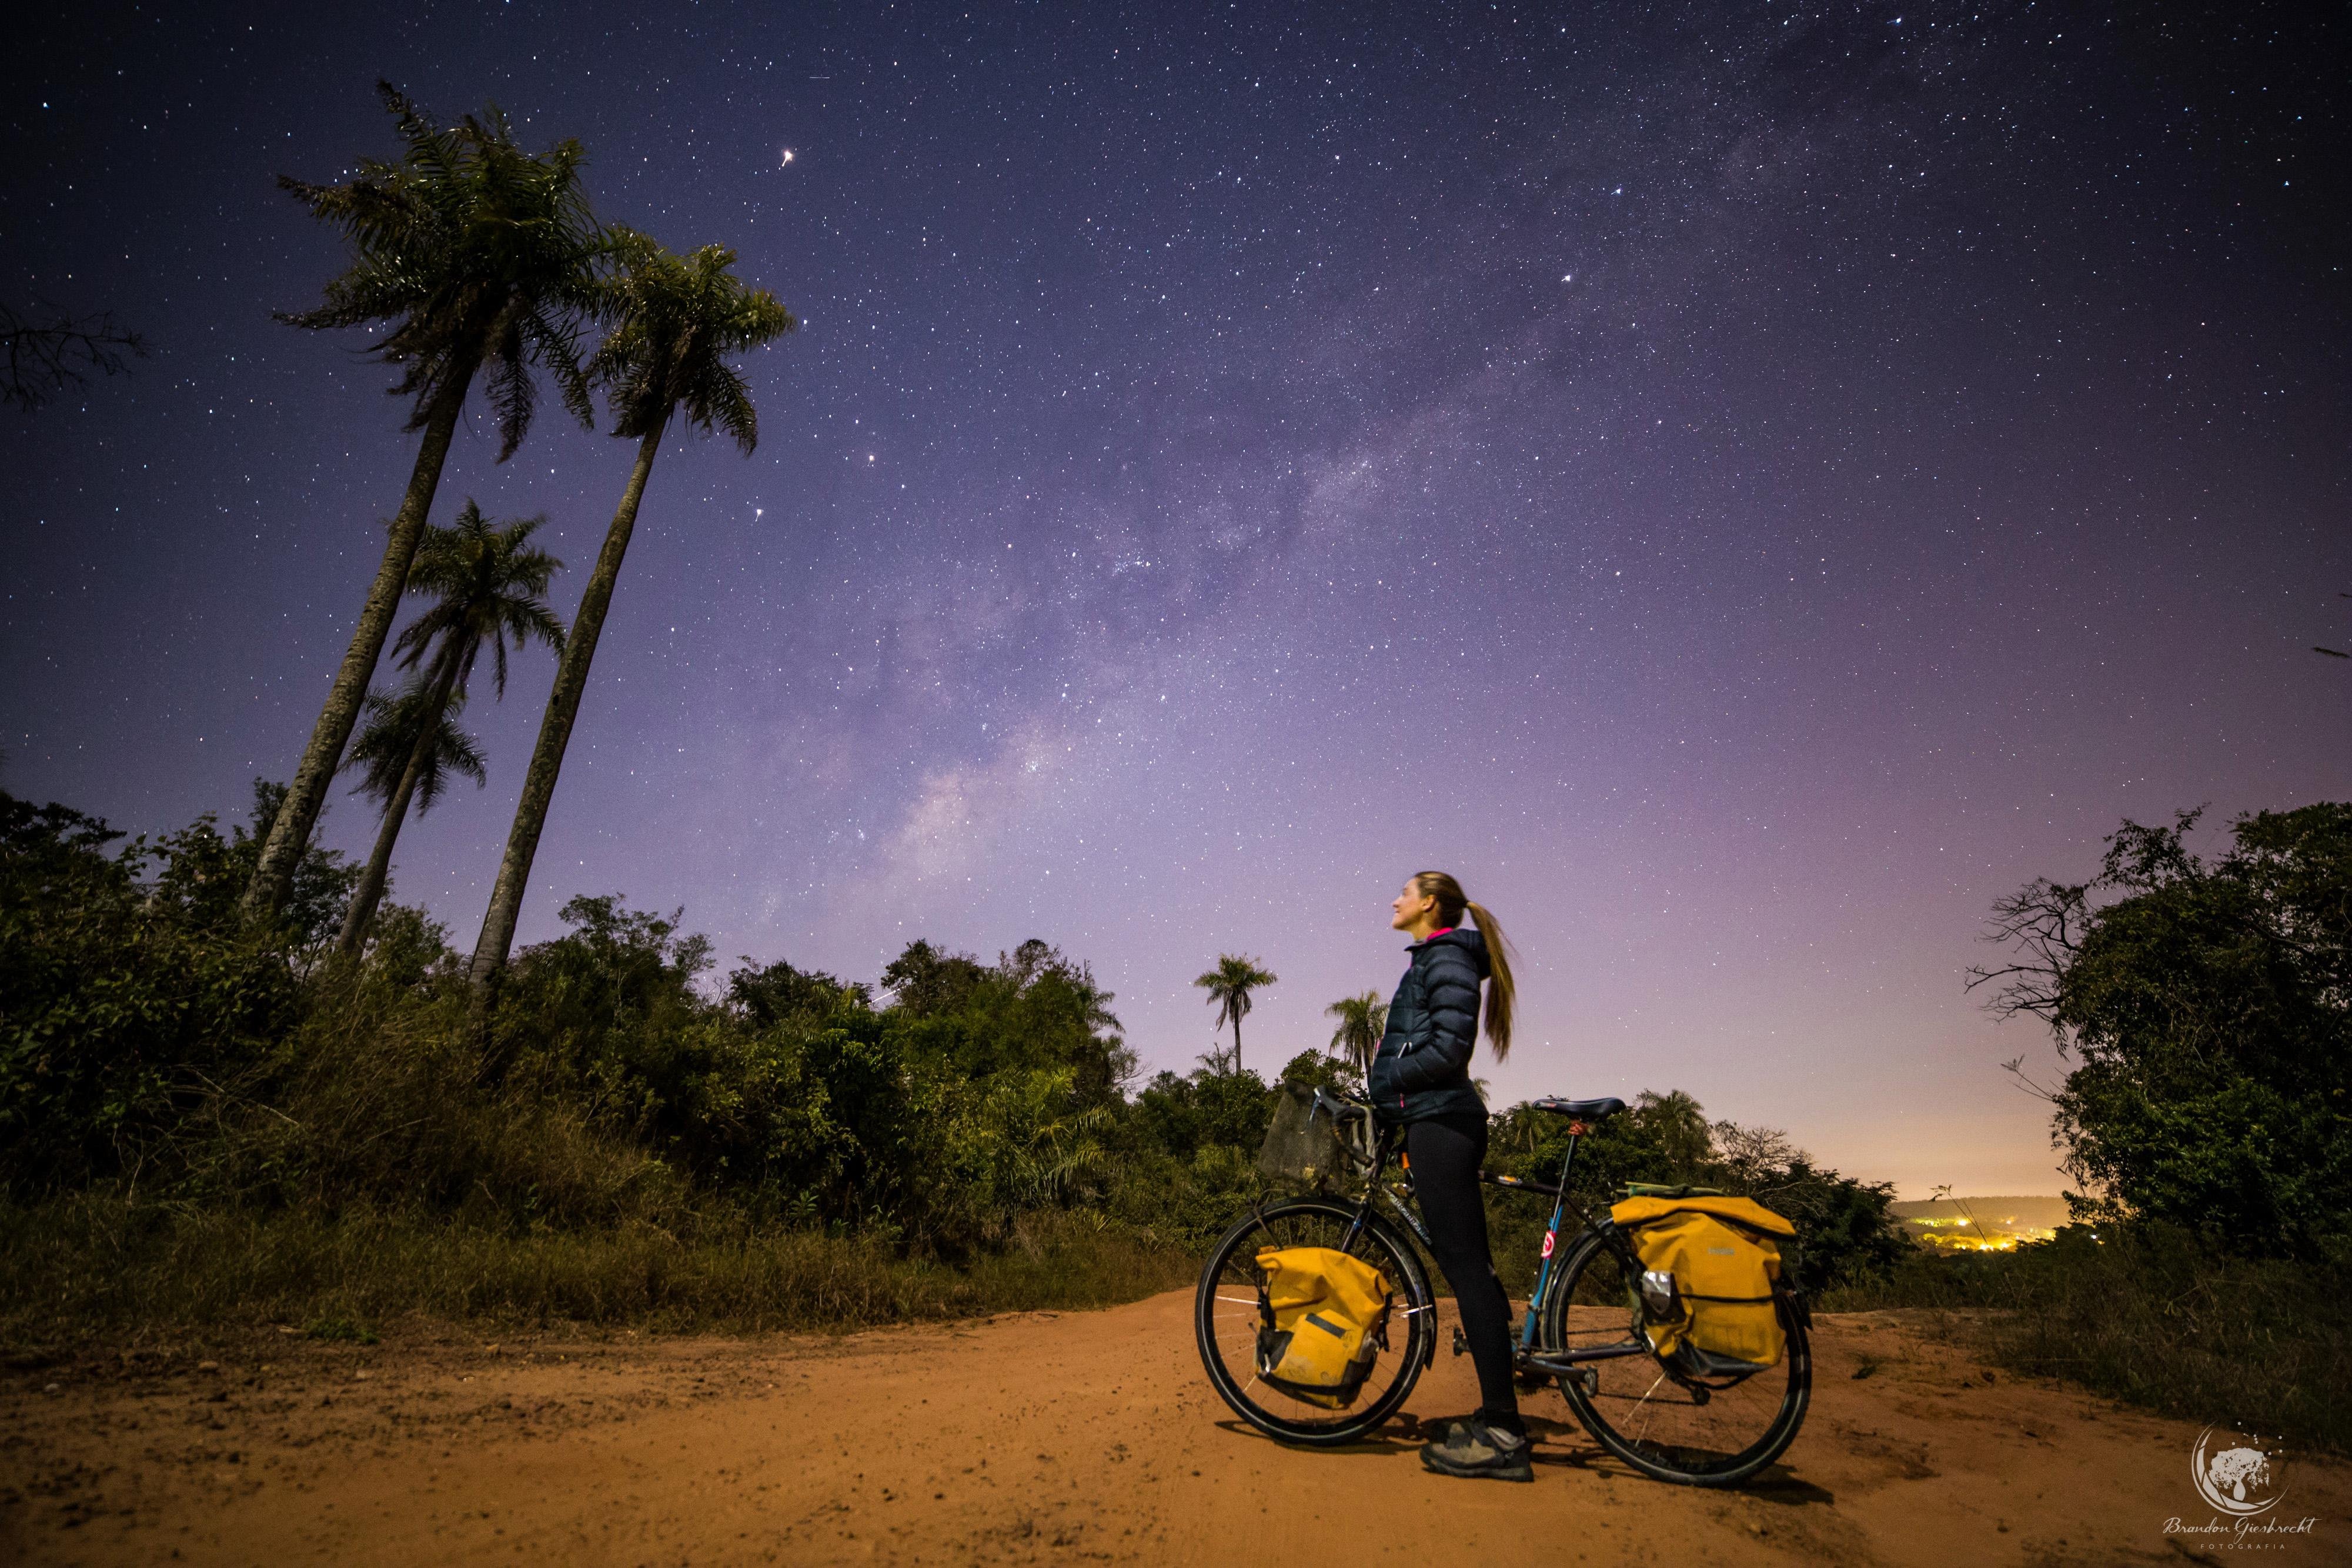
676	320
489	585
482	256
381	751
386	754
1229	986
1362	1020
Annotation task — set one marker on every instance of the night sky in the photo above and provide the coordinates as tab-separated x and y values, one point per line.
1741	486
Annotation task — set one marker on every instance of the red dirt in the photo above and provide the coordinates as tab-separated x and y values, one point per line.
1040	1437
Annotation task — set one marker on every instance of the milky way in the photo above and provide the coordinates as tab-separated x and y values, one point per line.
1742	488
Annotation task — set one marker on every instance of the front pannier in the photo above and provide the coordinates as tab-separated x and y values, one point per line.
1323	1317
1709	1267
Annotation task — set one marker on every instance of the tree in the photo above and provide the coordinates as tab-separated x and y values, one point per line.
487	584
41	358
676	319
1362	1020
387	743
1229	986
2206	1009
483	255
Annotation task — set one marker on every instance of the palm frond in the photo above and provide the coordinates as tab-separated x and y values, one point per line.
485	584
467	248
387	739
675	320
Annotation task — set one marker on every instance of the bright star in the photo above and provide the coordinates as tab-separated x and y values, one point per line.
788	156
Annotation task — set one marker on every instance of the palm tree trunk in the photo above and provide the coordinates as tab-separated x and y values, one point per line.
290	835
497	940
1237	1044
370	891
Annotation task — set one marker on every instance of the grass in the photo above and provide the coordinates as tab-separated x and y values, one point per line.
90	1265
2154	1316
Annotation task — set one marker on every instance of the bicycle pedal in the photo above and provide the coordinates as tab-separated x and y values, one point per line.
1461	1345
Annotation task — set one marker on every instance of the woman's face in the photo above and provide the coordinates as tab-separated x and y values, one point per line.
1412	907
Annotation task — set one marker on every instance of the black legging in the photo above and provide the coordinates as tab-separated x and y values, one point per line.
1446	1151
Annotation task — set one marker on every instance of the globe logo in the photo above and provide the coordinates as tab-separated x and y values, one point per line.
2234	1473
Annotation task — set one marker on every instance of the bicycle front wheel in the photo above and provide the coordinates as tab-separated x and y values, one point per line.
1692	1431
1226	1321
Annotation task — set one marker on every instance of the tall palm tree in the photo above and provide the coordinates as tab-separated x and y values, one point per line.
482	256
1362	1020
1229	986
487	584
676	320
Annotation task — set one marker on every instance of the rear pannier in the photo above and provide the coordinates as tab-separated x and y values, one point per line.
1709	1265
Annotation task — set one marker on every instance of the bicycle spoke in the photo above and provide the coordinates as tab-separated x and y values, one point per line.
1228	1312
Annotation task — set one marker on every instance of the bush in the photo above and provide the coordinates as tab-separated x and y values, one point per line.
126	1002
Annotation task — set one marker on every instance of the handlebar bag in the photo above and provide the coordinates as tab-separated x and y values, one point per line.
1300	1145
1323	1319
1711	1267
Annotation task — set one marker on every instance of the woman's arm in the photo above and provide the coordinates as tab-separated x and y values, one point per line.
1450	992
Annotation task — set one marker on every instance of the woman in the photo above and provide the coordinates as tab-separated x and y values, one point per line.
1421	1078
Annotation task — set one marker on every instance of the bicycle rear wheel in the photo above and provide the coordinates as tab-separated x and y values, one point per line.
1226	1321
1692	1431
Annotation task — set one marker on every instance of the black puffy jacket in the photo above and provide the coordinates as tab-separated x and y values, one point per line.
1422	1069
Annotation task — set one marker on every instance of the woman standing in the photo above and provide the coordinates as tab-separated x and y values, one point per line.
1420	1079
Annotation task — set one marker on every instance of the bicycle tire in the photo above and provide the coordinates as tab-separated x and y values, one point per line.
1418	1312
1654	1459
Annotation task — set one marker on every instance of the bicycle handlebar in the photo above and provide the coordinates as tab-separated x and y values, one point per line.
1339	1106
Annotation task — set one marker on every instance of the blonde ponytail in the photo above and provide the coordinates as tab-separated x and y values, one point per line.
1502	997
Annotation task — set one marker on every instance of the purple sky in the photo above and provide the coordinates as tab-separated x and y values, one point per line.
1741	489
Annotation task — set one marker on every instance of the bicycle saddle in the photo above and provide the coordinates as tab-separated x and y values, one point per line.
1580	1110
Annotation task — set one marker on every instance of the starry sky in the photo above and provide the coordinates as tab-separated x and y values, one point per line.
1741	486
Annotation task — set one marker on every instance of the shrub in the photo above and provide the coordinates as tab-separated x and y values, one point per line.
127	1000
2157	1315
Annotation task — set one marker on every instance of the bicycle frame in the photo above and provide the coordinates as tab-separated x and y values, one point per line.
1525	1353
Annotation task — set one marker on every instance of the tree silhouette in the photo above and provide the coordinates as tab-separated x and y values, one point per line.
1362	1020
39	359
676	320
1229	986
483	255
488	585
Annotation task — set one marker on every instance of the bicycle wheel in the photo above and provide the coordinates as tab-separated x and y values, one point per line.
1225	1321
1711	1431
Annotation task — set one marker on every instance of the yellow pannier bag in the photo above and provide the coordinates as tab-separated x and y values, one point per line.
1322	1315
1707	1290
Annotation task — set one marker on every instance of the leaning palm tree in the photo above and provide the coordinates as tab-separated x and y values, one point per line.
489	585
1362	1020
676	320
482	256
1229	986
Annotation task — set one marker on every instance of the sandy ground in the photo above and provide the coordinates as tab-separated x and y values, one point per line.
1040	1437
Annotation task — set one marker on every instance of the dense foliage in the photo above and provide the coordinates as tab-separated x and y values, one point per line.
151	1047
125	998
2207	1010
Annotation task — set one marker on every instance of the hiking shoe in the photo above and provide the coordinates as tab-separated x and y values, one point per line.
1474	1448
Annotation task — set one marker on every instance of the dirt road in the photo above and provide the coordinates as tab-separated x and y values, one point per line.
1036	1439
